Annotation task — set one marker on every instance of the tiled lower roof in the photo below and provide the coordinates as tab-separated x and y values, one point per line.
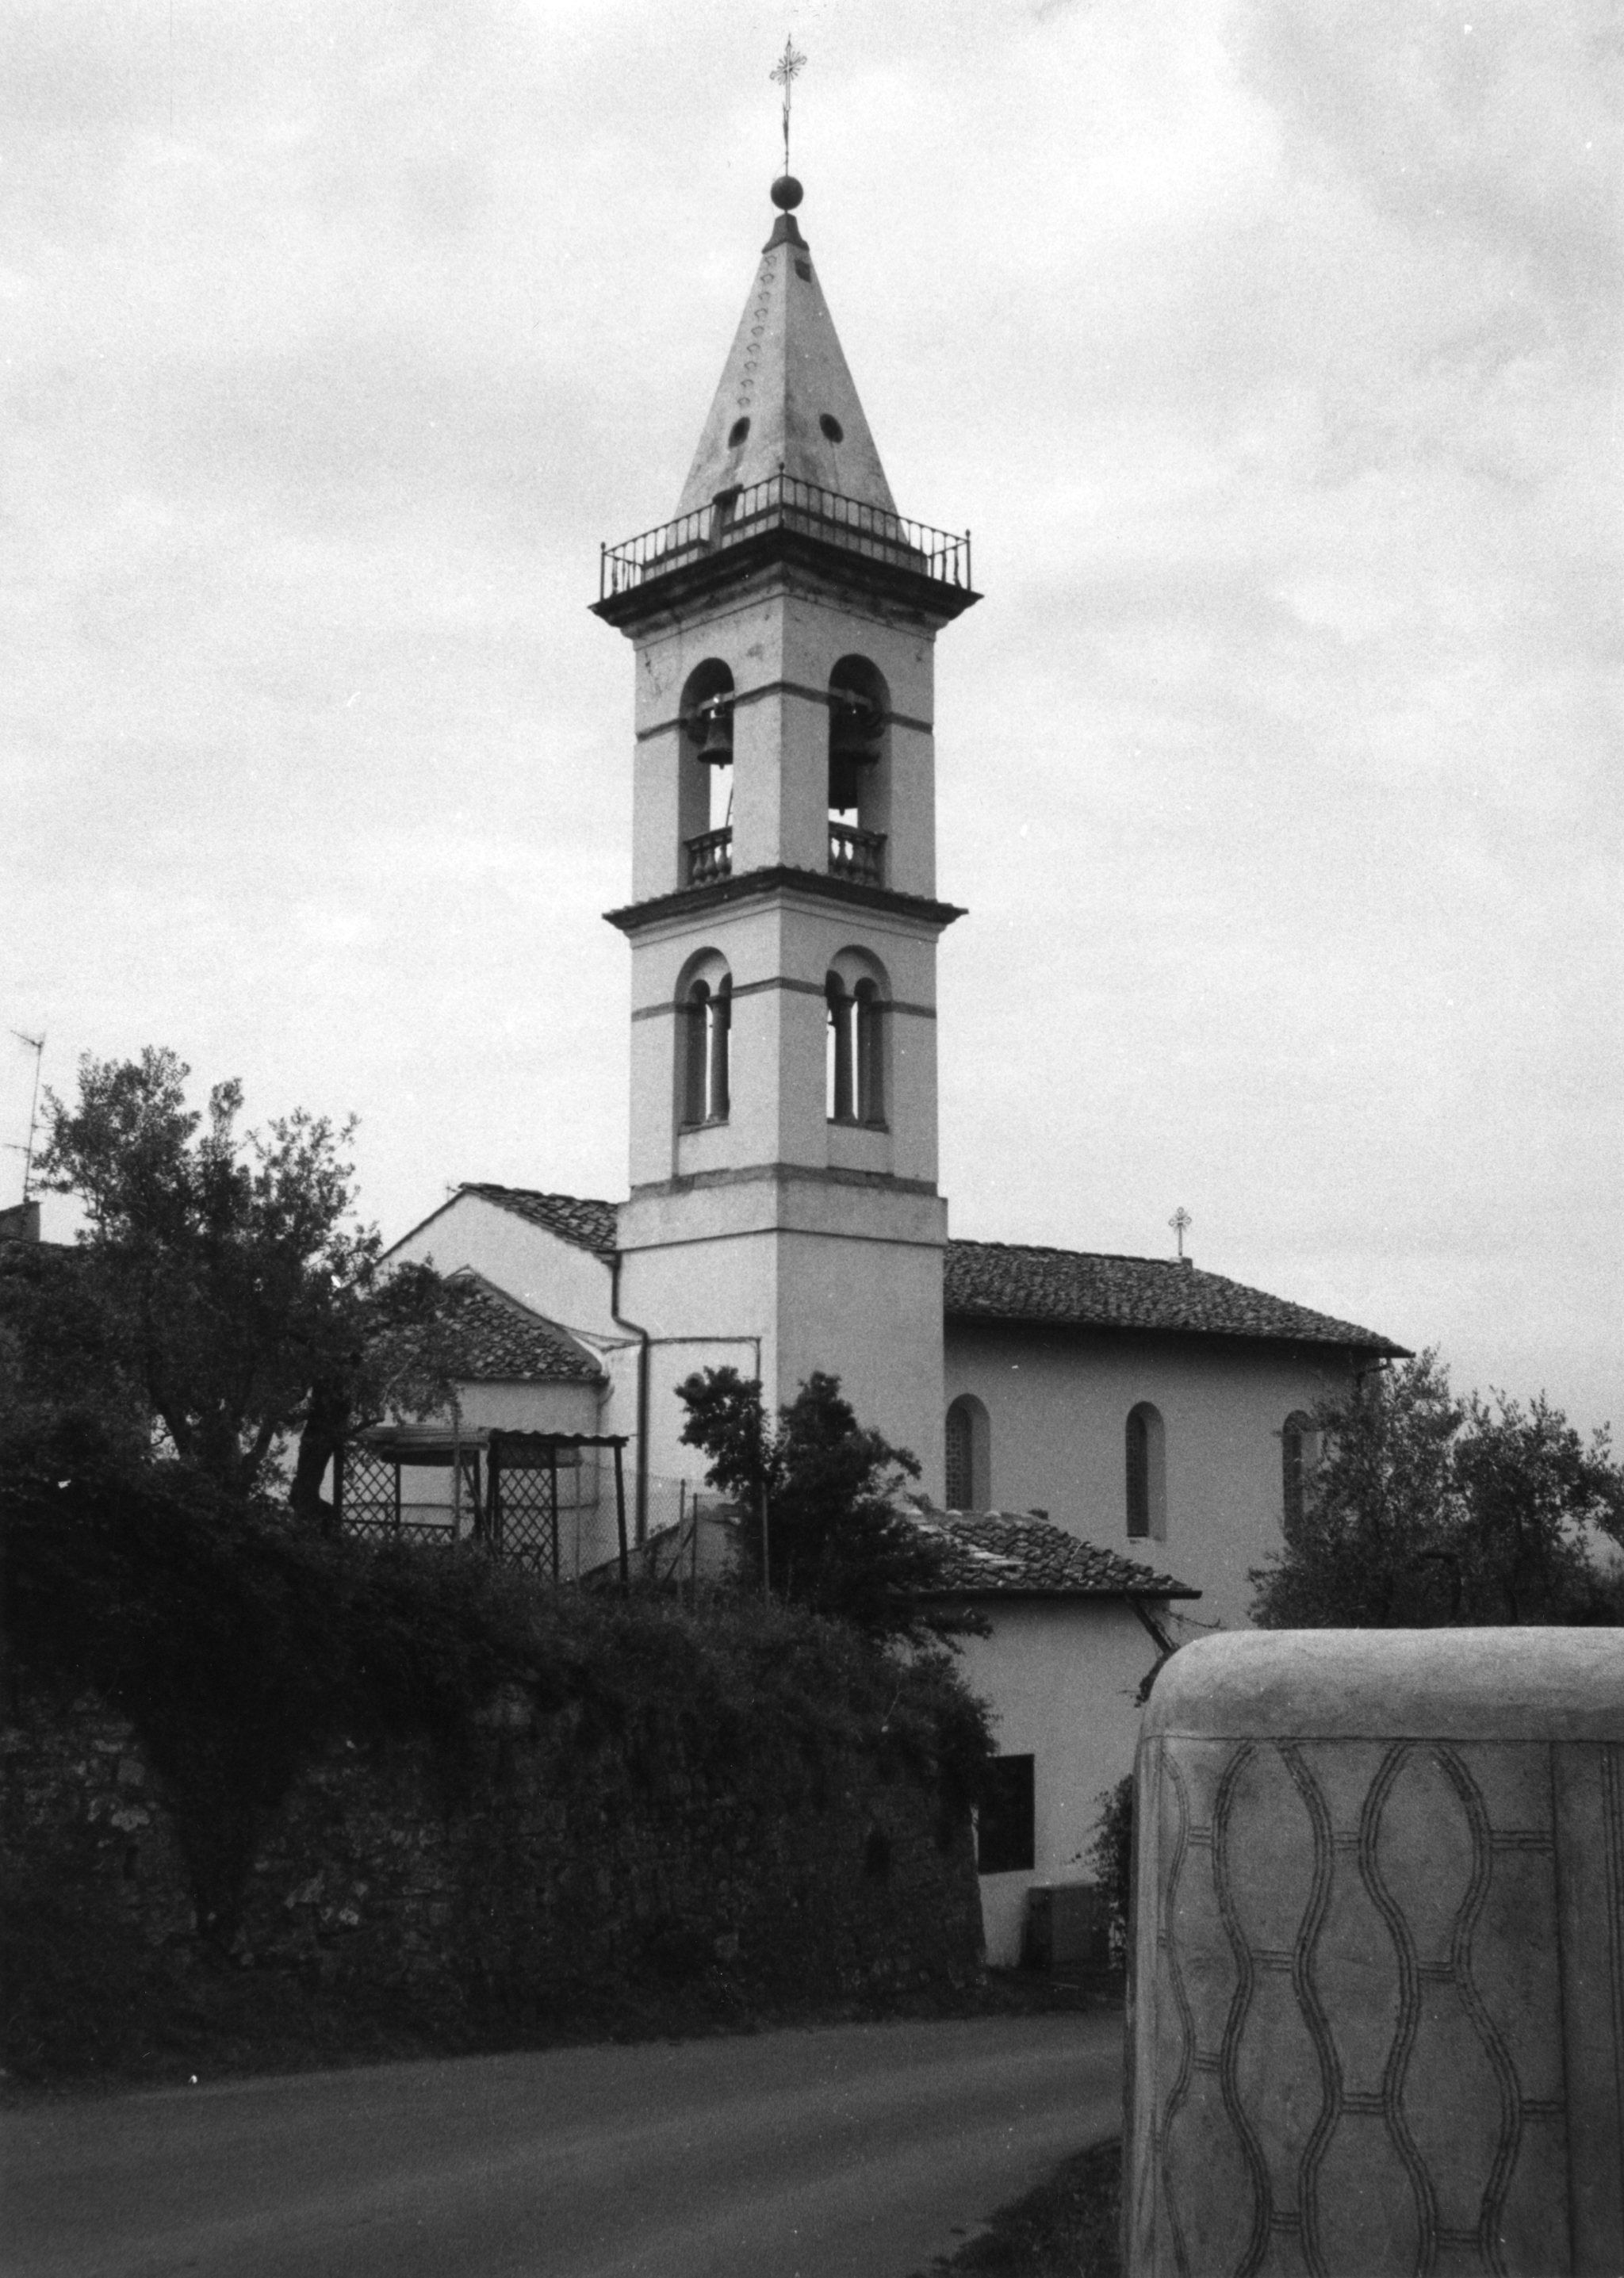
588	1223
1002	1554
497	1341
1011	1282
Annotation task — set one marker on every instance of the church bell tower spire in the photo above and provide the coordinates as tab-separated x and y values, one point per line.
785	915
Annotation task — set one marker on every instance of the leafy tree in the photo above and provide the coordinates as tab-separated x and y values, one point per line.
1426	1511
1111	1857
819	1500
221	1277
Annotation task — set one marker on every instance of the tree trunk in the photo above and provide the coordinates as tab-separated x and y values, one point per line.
326	1430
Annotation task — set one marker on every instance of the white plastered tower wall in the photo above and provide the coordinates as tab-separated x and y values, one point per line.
780	1234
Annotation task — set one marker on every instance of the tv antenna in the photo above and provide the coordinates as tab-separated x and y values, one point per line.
36	1045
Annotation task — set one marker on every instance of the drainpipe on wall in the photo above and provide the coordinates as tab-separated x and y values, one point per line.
640	1485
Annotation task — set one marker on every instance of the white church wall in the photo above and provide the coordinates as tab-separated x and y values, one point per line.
1062	1677
530	1407
560	1280
817	1275
1057	1408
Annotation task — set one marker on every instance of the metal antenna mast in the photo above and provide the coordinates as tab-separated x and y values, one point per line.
36	1045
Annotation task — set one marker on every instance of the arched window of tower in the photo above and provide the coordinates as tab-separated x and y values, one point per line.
706	795
705	1017
855	1041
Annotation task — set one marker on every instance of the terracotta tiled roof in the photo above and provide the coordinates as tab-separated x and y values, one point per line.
498	1340
1010	1282
1001	1553
588	1223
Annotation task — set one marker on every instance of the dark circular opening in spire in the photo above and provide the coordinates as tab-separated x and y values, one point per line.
737	432
831	427
786	194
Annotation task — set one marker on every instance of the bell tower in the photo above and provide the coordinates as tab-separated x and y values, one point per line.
785	917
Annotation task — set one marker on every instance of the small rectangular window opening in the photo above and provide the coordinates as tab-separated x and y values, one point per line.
1006	1829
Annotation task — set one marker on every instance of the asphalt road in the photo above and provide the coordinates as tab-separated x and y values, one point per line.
847	2152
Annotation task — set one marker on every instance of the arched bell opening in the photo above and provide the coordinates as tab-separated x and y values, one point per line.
705	797
859	786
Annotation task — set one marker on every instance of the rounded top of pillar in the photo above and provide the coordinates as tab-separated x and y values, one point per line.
1425	1685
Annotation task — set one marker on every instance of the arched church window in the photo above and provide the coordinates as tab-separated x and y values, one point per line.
1298	1448
855	1048
1146	1473
970	1456
706	1021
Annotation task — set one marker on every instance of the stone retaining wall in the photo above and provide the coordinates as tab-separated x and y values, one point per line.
540	1878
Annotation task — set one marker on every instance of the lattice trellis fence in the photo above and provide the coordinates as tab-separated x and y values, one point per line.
511	1497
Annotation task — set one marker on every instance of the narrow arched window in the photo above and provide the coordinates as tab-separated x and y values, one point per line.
868	1054
707	1021
958	1457
1297	1447
720	1043
839	1058
854	1051
696	1084
1146	1473
968	1482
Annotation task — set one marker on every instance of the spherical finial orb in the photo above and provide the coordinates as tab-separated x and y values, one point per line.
786	194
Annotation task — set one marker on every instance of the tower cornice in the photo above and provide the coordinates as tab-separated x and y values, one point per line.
783	881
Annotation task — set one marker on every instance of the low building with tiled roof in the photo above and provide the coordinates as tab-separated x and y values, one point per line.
497	1341
555	1253
1005	1554
1168	1403
580	1218
1071	1630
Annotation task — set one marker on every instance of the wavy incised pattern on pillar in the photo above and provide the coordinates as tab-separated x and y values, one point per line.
1358	2015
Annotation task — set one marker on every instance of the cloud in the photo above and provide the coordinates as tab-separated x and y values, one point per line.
1269	351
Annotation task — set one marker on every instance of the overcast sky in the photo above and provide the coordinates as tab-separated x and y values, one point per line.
1271	352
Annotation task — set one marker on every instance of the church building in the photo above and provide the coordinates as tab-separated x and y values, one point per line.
1140	1426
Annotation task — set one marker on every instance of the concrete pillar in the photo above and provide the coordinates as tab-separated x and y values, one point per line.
1377	2009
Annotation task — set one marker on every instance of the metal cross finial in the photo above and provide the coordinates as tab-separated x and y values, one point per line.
783	73
1181	1222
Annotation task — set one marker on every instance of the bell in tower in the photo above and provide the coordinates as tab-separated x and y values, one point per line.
712	729
856	722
